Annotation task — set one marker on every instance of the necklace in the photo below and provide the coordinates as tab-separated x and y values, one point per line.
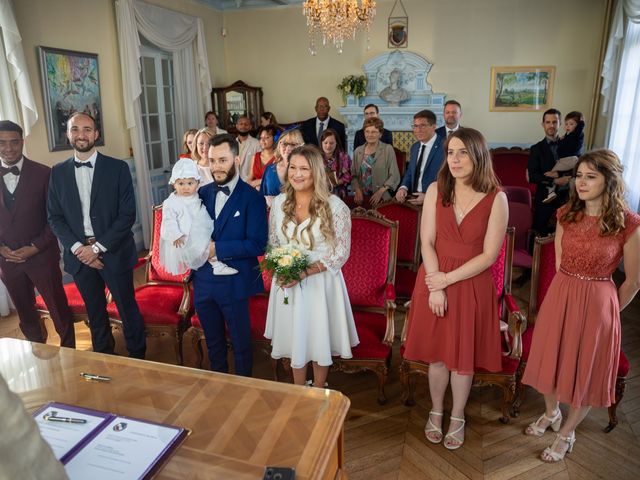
462	212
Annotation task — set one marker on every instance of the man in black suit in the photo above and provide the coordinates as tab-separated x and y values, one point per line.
542	157
91	210
452	116
371	111
313	127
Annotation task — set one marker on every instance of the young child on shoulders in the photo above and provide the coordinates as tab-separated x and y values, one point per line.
186	227
569	149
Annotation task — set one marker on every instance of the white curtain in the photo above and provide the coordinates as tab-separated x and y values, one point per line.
16	97
183	35
621	92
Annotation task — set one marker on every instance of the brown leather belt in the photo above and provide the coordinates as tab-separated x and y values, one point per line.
89	240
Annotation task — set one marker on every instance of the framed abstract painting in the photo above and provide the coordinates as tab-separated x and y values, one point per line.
70	83
521	89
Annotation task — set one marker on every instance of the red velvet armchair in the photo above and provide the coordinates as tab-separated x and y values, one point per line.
369	275
510	165
512	331
164	299
78	308
542	273
408	257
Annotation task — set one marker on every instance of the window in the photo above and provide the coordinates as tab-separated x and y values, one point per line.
158	108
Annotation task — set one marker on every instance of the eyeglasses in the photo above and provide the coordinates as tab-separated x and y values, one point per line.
291	145
419	127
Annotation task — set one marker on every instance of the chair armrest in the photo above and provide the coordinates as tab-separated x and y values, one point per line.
390	308
405	324
517	325
142	261
390	292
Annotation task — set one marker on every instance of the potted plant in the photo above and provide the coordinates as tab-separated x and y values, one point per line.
352	88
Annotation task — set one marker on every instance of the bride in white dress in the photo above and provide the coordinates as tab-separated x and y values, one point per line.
317	323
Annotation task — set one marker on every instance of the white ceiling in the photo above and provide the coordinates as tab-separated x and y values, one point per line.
247	4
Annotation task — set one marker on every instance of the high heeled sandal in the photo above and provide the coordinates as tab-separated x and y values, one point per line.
452	435
550	455
535	430
433	428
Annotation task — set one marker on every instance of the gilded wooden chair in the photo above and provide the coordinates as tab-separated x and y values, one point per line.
511	330
369	275
542	273
164	299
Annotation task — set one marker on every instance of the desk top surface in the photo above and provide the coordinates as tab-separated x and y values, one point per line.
239	425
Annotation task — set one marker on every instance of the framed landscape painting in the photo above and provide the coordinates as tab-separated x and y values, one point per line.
70	83
521	89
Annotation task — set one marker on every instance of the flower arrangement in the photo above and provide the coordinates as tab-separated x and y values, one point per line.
355	85
286	263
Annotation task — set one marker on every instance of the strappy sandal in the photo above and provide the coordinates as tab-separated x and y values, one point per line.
535	430
452	435
550	455
431	429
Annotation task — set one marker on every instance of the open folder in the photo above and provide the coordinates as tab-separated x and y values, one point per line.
100	445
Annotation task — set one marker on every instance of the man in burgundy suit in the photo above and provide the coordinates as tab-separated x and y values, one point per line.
29	253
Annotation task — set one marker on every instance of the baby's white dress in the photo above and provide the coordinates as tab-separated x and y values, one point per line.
184	216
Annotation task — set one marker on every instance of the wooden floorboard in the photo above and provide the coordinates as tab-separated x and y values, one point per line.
387	442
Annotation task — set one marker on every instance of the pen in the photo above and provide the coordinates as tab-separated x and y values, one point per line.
91	376
52	418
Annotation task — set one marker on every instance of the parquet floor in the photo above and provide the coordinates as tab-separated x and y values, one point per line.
387	442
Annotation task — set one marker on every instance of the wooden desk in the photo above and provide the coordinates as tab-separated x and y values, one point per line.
239	425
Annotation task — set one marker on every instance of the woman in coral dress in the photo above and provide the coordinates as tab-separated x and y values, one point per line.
576	342
454	324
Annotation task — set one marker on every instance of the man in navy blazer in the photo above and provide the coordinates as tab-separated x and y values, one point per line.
91	210
312	128
240	234
29	253
452	115
425	158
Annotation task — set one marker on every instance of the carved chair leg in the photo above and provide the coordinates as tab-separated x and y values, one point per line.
178	345
519	390
197	347
508	393
382	372
407	384
621	385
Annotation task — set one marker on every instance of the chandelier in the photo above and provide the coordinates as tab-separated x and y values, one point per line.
337	20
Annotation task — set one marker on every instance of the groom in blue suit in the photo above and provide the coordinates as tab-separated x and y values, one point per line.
425	158
239	236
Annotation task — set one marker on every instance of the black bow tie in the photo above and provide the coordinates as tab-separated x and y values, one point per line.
13	169
224	189
82	164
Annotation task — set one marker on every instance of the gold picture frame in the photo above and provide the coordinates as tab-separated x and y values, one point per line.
521	89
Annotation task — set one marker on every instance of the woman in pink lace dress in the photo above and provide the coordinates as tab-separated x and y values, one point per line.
576	342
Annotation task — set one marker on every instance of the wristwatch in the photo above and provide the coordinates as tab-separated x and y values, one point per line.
96	249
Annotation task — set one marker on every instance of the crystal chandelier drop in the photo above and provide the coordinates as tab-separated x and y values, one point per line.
337	20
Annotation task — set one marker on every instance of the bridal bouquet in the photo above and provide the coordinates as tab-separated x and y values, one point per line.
286	263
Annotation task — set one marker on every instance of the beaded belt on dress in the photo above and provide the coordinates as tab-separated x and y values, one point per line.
585	277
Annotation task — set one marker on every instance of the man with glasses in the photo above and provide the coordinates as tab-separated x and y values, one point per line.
371	111
425	157
313	128
249	145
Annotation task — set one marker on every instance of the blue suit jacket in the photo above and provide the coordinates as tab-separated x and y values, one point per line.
113	212
240	234
434	161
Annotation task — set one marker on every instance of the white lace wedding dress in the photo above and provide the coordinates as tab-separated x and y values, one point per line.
317	323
